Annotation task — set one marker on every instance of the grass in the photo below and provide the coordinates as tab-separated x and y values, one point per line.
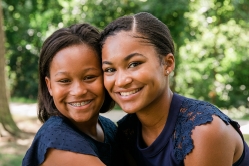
10	159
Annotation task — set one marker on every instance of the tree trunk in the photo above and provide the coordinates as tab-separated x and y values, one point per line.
5	116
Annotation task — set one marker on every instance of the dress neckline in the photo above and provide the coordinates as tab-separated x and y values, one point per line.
167	131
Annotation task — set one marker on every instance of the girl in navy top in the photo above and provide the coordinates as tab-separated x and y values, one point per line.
162	127
71	96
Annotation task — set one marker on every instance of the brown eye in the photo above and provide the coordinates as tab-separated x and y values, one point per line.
64	81
109	70
134	64
89	77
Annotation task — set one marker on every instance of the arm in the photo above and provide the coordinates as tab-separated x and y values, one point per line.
64	158
215	144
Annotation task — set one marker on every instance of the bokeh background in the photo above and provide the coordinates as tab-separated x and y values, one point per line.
211	38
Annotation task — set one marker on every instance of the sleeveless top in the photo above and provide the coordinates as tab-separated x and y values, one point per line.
174	142
59	133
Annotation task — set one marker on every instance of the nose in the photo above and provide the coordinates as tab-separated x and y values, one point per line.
122	79
78	88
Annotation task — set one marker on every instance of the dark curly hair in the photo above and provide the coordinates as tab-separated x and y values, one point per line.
60	39
147	27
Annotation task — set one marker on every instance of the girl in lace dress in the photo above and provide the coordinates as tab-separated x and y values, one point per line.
162	128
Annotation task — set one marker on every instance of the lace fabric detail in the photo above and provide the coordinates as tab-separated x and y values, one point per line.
192	113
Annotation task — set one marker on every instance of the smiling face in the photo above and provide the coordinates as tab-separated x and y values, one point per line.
133	73
76	83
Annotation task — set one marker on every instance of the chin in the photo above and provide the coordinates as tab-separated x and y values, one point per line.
129	111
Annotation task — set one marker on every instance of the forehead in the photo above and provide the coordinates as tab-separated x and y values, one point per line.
125	40
74	55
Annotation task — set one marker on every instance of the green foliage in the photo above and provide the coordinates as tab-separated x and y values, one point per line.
100	12
214	63
211	39
26	23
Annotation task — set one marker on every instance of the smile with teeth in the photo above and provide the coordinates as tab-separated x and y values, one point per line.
130	93
78	104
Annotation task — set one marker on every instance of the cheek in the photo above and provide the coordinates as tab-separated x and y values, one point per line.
150	72
59	91
108	81
143	75
98	87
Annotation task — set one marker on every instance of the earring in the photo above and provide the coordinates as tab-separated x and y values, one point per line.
167	71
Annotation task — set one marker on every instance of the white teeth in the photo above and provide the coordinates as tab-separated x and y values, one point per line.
129	93
80	104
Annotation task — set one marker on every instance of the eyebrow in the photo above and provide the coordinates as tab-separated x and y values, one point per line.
127	58
61	72
66	73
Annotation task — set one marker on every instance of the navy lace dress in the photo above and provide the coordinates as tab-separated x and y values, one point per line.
59	133
174	142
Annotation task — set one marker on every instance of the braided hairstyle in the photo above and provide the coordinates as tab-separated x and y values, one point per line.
143	25
65	37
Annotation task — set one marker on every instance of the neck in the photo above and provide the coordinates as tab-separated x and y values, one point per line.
154	119
92	128
96	133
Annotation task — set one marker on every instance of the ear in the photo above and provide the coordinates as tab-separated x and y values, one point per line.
48	82
169	64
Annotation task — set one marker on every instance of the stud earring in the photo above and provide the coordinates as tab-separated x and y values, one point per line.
167	72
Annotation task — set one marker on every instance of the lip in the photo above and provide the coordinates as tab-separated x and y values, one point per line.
128	94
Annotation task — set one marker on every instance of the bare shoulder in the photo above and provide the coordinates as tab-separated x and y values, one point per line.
65	158
215	143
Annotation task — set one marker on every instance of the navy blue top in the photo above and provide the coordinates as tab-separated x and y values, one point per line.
174	142
59	133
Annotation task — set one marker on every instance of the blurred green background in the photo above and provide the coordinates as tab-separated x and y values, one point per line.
211	38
